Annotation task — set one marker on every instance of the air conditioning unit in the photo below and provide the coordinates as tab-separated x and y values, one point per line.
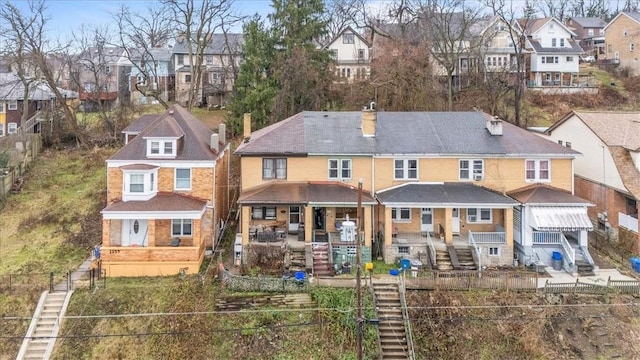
477	177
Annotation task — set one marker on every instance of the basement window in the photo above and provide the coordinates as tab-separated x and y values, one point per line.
403	250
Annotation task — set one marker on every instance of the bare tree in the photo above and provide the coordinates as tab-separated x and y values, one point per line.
31	25
447	24
197	21
144	38
554	8
338	15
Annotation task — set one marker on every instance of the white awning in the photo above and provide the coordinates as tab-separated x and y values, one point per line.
560	218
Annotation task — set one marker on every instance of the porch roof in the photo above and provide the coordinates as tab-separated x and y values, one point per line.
540	194
163	202
560	218
443	195
305	193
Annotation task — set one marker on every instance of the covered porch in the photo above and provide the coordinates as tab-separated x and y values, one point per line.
421	218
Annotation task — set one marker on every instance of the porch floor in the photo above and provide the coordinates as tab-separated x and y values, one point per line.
459	240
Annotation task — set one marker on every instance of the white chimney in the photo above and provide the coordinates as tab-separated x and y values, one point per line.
494	125
222	134
214	143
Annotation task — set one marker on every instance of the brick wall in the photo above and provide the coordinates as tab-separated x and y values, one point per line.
616	41
604	199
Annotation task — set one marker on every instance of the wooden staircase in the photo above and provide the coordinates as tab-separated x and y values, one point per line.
584	268
283	301
321	264
297	260
464	257
443	260
391	329
45	324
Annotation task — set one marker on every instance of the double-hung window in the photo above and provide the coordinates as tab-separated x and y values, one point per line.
482	215
405	169
161	148
263	212
183	179
13	105
136	183
538	170
12	128
139	184
339	169
181	227
471	169
348	39
274	168
401	214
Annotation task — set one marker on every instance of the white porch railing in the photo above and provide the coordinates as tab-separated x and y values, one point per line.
432	249
472	242
488	237
628	222
555	238
569	251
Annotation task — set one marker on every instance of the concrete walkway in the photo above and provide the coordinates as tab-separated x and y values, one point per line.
601	277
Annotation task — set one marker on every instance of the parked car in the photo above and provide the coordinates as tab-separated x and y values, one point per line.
588	58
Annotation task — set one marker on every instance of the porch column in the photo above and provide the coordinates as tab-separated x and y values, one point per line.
308	224
388	226
367	225
151	233
448	230
106	233
584	238
508	226
244	224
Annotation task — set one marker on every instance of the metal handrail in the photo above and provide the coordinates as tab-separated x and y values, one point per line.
405	317
432	249
472	242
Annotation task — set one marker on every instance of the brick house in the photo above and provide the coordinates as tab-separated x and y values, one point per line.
589	33
622	37
167	196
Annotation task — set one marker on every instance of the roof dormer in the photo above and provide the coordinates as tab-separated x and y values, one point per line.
160	147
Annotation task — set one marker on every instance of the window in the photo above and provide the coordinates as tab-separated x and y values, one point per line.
13	105
181	227
471	169
401	214
348	39
158	148
155	148
263	212
590	32
187	78
180	59
360	54
1	129
12	128
183	179
107	69
482	215
569	58
494	251
601	31
538	170
561	42
136	183
139	184
553	42
403	249
339	169
405	169
168	148
624	32
334	54
274	168
209	59
631	47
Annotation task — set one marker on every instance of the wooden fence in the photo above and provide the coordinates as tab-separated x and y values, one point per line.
631	287
21	150
467	280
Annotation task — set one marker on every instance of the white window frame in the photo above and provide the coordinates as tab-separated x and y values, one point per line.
348	38
12	128
182	183
493	251
561	42
12	105
263	212
533	170
149	184
339	169
402	165
180	59
183	225
473	167
1	107
479	216
1	130
157	147
276	171
401	214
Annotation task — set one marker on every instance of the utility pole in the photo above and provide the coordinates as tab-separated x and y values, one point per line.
359	319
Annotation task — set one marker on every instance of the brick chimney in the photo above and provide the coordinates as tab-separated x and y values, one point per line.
247	125
494	125
369	120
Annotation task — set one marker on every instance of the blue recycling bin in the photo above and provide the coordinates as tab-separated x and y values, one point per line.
635	264
405	264
394	272
556	258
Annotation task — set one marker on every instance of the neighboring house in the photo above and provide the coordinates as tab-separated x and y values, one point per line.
431	180
101	81
221	59
622	37
351	53
12	100
589	34
497	47
152	73
167	196
608	174
554	53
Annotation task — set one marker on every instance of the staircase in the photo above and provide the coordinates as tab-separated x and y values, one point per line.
584	268
282	301
391	329
297	260
42	332
443	260
321	264
464	259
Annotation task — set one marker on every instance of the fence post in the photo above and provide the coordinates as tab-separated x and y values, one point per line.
545	285
575	287
608	280
51	281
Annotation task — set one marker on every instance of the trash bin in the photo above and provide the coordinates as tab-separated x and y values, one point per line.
405	264
415	266
556	258
346	268
635	264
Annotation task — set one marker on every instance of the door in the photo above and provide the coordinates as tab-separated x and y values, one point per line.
134	232
294	218
426	219
455	221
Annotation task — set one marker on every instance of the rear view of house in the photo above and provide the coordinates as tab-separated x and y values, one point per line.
167	195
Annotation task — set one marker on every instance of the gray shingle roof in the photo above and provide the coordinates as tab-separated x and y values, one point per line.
161	202
543	194
304	193
141	123
590	22
614	128
219	44
444	194
634	15
420	133
195	140
574	49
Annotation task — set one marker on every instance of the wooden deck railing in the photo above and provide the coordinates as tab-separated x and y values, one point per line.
488	237
623	286
168	253
465	280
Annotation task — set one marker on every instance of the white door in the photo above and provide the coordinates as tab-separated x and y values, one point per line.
294	218
455	221
426	219
134	233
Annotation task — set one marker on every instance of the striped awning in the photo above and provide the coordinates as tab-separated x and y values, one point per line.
560	218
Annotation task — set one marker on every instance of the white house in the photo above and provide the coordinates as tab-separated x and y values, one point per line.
351	53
